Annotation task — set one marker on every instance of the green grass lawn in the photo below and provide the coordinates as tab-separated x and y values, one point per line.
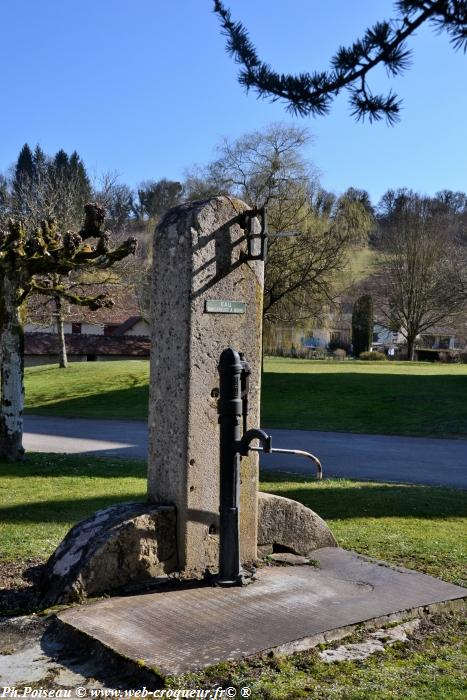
417	526
89	390
42	497
400	398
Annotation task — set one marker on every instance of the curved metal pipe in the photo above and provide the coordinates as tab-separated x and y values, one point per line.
299	453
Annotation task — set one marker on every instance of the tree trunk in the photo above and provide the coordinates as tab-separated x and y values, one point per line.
411	349
62	357
12	368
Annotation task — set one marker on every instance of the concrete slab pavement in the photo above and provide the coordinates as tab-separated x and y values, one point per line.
287	609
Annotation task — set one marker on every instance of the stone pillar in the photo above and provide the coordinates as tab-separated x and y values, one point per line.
199	259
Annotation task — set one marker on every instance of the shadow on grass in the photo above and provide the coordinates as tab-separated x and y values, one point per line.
130	403
341	501
45	465
62	510
329	499
396	404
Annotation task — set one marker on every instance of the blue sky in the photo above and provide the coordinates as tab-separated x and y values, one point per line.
145	88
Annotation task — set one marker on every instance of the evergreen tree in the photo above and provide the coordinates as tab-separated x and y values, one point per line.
78	177
45	186
4	198
155	197
24	174
24	165
40	162
61	164
362	324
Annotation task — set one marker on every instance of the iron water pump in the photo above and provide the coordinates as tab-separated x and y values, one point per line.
235	443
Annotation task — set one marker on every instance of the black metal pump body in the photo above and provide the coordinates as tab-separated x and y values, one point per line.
234	374
230	413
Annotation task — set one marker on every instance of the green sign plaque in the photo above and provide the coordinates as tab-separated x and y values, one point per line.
224	306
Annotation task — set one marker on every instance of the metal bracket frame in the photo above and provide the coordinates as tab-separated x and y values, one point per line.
247	224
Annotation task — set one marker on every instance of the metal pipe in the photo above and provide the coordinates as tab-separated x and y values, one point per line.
299	453
230	413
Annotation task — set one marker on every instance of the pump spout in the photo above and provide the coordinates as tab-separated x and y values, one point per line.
243	445
299	453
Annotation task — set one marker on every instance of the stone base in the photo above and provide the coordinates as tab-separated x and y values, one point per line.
132	545
288	526
125	544
287	609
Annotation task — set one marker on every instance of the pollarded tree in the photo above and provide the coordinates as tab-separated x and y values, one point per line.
30	260
383	44
362	324
44	188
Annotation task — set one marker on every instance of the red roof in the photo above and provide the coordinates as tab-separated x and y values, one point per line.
47	344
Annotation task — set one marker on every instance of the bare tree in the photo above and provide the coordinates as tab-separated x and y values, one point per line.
27	258
264	168
117	199
420	278
268	168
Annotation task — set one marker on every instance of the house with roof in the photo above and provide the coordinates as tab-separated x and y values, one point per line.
118	333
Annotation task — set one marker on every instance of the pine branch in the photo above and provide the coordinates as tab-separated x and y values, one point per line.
383	44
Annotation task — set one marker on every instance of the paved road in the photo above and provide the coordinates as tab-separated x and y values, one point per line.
375	457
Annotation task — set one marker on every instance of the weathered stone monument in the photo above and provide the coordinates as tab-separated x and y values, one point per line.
207	296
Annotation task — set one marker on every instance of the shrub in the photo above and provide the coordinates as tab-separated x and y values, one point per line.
426	355
448	356
301	353
339	354
319	354
430	355
372	355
